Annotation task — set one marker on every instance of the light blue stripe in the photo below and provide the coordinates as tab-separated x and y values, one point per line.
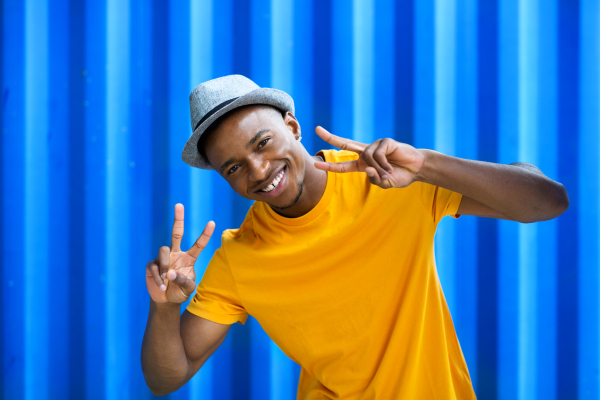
528	138
466	142
342	69
445	108
37	275
424	103
282	379
200	209
547	161
363	80
118	347
282	45
589	206
508	235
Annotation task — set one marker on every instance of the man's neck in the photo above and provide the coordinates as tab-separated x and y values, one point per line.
313	188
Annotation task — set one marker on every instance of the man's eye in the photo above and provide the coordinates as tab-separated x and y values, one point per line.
233	169
263	142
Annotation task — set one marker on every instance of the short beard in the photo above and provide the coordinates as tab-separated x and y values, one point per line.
295	200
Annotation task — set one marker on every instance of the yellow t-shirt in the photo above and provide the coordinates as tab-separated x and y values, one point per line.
349	290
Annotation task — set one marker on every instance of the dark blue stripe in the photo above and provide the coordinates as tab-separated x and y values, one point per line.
2	104
240	335
76	290
487	311
13	283
568	128
404	76
95	211
59	199
322	67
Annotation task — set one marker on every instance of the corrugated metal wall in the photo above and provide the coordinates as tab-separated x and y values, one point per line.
95	115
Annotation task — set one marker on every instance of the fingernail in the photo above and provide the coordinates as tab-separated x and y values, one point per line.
370	174
384	177
163	288
164	275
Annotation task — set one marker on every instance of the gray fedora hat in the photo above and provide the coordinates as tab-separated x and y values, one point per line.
214	98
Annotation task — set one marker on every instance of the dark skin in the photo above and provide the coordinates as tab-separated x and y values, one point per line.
250	148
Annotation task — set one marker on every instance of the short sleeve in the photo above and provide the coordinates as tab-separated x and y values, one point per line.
216	297
438	201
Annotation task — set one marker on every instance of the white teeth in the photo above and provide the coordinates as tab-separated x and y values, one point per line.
275	182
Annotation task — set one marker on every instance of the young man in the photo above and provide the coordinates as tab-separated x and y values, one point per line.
338	271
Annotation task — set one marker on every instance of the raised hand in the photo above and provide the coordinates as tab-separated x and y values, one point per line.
386	162
171	278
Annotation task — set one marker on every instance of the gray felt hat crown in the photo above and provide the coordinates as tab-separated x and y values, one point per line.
214	98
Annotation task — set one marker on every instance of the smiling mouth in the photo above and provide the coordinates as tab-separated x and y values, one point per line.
274	183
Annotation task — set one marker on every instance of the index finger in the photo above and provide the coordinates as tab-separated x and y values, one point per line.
345	166
202	241
340	142
177	233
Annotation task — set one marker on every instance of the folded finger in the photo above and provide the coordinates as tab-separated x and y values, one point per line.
152	268
187	284
202	240
341	167
380	155
340	142
368	158
164	255
374	177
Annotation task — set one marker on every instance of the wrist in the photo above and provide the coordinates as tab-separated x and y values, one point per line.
164	307
428	170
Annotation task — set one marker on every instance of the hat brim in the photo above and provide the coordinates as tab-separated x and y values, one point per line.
268	96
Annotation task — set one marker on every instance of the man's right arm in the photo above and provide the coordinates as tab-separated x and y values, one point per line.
175	347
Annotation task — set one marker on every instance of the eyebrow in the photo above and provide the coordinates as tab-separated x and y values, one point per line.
250	143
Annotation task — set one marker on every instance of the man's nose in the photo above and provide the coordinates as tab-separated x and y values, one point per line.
258	169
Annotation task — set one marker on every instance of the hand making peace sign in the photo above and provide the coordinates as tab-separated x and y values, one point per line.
387	162
171	277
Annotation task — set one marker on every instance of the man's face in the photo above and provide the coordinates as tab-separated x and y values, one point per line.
256	151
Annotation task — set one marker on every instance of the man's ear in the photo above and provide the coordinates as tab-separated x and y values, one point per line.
292	124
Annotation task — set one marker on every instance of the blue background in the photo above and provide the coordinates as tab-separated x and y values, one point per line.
95	115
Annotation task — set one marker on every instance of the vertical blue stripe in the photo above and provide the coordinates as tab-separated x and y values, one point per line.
200	210
568	237
404	67
444	134
260	64
140	170
36	201
118	346
303	93
424	74
466	142
528	27
342	69
58	199
384	64
508	239
95	208
363	80
322	66
488	131
547	151
76	212
13	212
282	45
589	207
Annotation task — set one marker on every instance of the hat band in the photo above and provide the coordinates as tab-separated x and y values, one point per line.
214	110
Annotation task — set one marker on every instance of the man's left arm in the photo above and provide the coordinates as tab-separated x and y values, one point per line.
517	192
